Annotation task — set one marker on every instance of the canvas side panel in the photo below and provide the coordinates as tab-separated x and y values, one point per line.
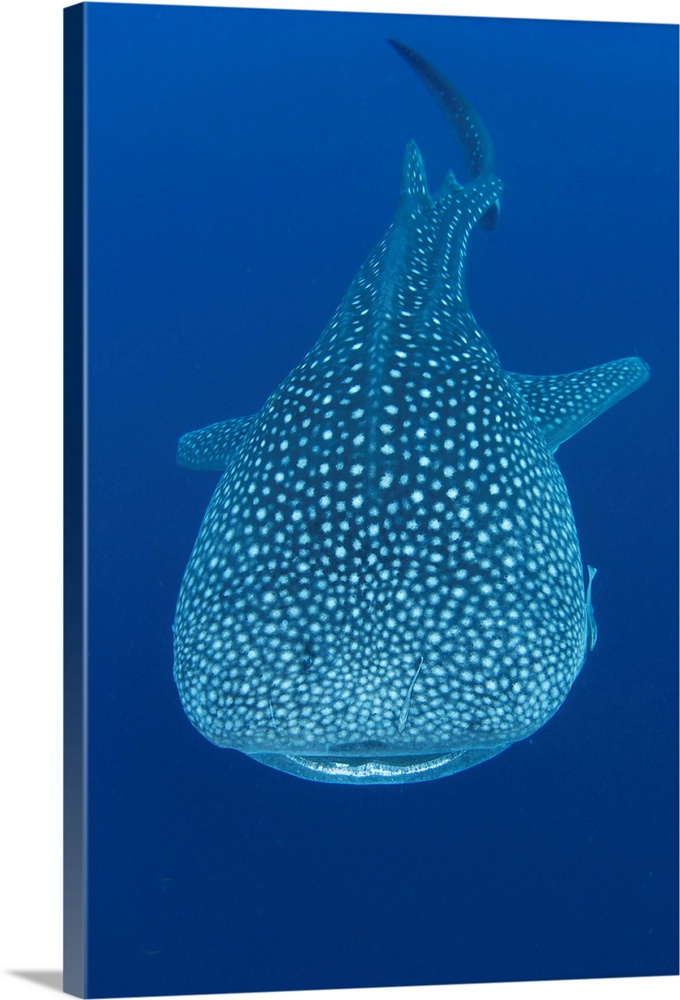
74	505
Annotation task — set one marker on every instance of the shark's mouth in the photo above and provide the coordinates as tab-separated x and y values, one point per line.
377	770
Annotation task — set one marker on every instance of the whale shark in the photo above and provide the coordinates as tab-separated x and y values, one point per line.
387	585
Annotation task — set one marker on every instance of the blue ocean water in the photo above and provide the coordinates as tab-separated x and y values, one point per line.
241	166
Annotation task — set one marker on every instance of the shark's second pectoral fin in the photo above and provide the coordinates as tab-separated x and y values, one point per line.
211	448
563	404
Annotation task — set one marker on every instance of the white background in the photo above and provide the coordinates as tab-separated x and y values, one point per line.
30	489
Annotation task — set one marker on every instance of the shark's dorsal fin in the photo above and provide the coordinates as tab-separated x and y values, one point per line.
414	196
211	448
563	404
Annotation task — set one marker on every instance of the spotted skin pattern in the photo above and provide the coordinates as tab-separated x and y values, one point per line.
387	585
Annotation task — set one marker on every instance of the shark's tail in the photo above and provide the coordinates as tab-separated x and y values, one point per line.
469	127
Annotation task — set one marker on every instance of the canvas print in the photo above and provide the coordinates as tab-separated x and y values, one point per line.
377	681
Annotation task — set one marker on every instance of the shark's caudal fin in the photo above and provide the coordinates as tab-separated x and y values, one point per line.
563	404
468	126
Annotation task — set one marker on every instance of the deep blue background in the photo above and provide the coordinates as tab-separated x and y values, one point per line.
241	166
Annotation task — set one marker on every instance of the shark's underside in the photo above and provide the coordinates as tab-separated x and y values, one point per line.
387	585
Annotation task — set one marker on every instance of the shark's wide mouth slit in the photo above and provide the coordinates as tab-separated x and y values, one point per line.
378	770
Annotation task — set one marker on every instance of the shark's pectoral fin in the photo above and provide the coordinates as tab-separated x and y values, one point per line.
563	404
211	448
